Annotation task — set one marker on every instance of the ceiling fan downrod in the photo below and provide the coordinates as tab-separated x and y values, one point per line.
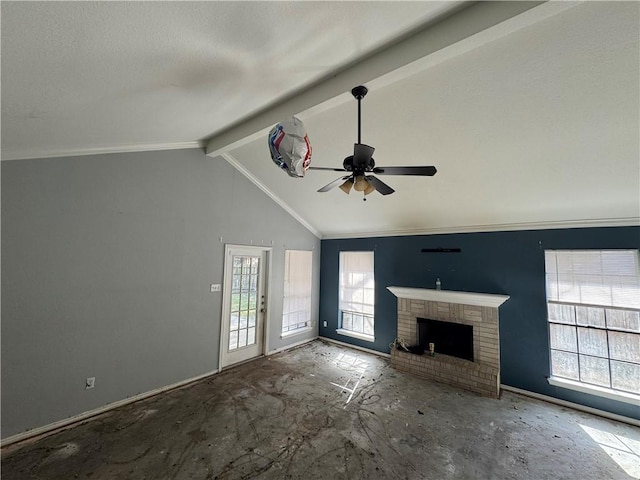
359	93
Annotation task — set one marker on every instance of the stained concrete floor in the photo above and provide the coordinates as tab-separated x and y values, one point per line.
323	411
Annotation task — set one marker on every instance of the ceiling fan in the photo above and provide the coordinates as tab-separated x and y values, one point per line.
361	163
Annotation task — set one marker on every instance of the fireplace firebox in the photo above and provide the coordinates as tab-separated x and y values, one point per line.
448	338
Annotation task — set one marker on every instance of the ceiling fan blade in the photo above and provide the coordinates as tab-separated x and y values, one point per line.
327	168
329	186
424	171
379	185
362	154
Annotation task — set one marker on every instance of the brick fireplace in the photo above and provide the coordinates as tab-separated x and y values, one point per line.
480	310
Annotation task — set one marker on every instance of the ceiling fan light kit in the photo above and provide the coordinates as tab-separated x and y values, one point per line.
362	162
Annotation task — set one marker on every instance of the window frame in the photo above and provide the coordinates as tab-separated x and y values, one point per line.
580	319
366	311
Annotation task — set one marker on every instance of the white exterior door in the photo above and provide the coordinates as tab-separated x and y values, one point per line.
244	304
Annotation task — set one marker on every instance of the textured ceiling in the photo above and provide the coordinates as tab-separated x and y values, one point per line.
530	111
83	77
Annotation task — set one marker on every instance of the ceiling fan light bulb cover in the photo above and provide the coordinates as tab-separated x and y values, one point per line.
370	189
346	186
361	184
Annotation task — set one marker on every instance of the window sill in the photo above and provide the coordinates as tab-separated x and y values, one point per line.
293	333
595	390
360	336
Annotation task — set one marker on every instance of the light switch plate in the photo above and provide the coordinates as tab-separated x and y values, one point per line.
216	287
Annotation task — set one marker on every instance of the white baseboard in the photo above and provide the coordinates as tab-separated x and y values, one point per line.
344	344
291	345
575	406
50	428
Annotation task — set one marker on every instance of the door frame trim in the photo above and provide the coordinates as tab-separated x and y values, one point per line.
267	251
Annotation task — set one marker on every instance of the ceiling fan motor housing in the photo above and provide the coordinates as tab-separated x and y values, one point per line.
347	164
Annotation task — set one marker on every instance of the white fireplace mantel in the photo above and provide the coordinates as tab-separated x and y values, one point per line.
450	296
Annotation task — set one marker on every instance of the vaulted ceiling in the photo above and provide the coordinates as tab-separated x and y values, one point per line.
529	110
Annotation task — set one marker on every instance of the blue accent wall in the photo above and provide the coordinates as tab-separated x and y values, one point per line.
510	263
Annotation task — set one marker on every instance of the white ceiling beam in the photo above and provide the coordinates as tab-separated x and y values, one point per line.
475	25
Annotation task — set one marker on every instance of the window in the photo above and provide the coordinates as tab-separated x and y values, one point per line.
593	303
357	295
296	306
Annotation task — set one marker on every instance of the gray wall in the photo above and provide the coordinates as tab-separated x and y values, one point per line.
107	262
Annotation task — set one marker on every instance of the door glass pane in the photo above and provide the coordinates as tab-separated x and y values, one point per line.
234	320
242	338
244	301
233	340
235	302
237	264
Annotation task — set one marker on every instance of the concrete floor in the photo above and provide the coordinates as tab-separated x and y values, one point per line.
323	411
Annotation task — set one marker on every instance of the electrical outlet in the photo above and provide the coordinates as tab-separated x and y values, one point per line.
215	287
90	383
324	324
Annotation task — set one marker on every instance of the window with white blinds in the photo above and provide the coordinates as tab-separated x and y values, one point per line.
593	302
296	308
357	293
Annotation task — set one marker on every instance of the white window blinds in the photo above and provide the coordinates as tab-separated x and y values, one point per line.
298	268
357	286
593	277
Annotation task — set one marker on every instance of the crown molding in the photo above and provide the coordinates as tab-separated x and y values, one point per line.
78	152
498	227
243	170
